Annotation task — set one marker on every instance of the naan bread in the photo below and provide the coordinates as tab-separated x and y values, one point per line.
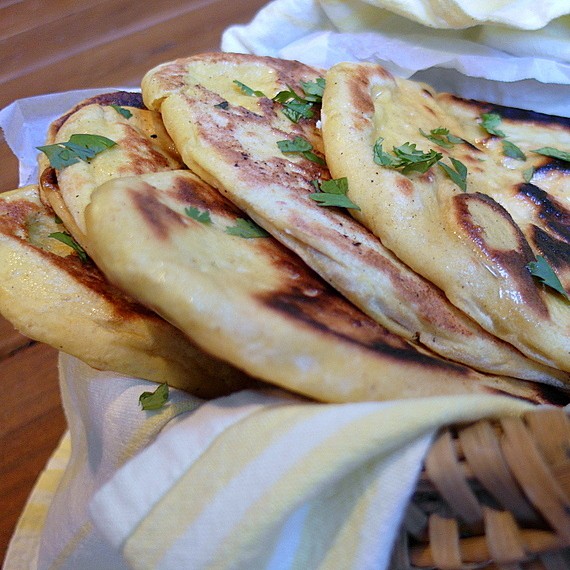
51	296
142	145
229	137
475	245
177	245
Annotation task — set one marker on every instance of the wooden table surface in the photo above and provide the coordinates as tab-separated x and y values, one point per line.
57	46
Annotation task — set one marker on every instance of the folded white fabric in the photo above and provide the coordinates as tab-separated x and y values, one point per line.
502	63
253	480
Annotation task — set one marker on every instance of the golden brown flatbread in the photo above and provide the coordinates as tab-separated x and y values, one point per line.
476	243
226	115
182	249
141	144
52	296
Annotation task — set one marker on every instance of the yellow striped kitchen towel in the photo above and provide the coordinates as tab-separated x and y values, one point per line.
255	480
259	480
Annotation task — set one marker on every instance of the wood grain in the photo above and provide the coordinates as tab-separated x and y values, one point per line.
75	45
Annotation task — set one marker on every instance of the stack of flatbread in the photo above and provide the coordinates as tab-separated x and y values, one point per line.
343	234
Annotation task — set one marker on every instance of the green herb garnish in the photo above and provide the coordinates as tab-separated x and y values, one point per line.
68	240
301	146
295	106
553	153
512	150
458	173
154	400
222	105
545	274
528	174
202	216
490	122
248	90
405	157
246	229
122	111
442	137
314	90
78	147
332	193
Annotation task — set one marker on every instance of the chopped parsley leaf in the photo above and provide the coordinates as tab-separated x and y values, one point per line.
442	137
248	90
333	193
154	400
553	153
301	146
490	122
458	173
246	229
122	111
528	174
79	147
405	157
198	215
68	240
512	150
314	89
545	274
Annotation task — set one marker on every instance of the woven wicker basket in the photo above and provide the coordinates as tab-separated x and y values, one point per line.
493	495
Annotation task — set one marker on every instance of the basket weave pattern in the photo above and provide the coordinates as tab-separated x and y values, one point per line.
493	495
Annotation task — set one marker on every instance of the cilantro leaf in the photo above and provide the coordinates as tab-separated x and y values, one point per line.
405	157
68	240
303	147
458	173
553	153
78	147
122	111
198	215
154	400
442	137
512	150
248	90
528	174
333	193
314	90
295	107
246	229
490	122
545	274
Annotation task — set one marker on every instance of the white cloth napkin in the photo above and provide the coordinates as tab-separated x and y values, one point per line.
502	64
253	480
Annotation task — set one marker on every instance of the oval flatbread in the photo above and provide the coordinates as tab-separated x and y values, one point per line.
182	249
139	144
476	241
229	116
49	294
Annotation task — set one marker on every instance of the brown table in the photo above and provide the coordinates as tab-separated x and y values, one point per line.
56	46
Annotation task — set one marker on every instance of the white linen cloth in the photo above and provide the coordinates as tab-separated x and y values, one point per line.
253	480
492	60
